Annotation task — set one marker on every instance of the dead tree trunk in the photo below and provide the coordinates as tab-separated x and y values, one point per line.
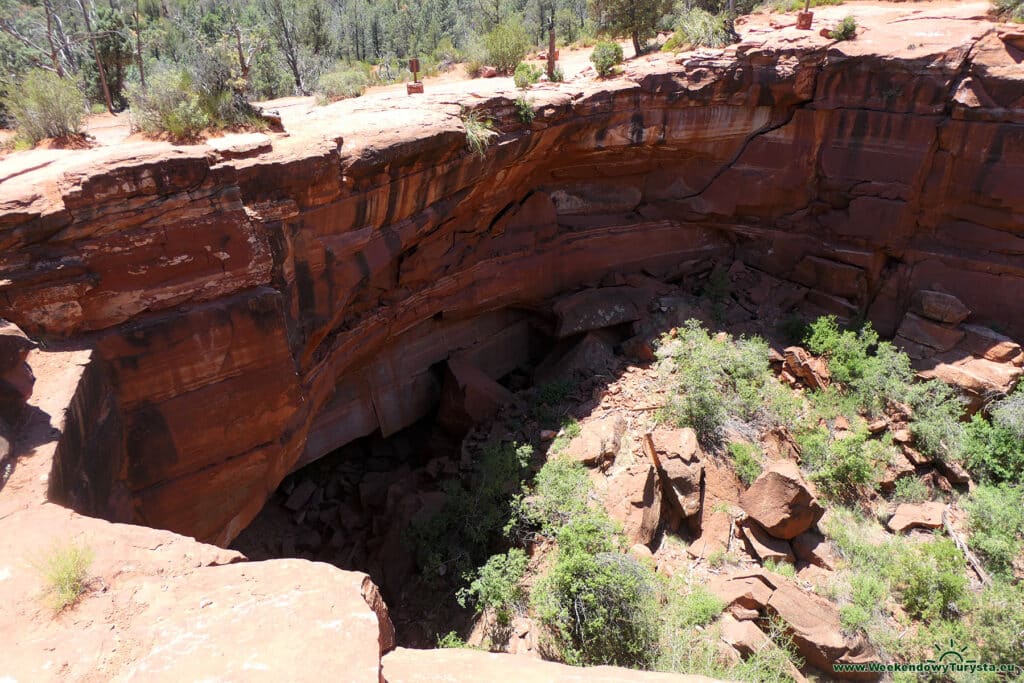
96	55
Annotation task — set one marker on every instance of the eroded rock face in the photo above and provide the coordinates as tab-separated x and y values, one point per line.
254	309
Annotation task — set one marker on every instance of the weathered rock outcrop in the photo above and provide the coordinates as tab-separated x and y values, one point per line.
249	314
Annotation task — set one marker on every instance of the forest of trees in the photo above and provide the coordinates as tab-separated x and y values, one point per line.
274	48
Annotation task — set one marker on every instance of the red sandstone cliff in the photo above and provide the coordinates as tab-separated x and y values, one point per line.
248	314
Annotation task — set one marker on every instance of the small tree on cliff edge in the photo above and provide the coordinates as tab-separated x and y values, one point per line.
635	18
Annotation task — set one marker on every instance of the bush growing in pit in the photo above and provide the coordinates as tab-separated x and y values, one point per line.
746	460
456	539
605	57
44	105
840	466
995	516
994	450
598	604
722	379
871	374
496	586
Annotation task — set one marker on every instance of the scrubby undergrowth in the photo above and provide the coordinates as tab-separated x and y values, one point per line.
554	557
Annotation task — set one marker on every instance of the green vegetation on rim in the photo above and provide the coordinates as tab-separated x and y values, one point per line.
65	571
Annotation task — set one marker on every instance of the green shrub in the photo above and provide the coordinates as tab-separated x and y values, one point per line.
874	373
720	378
699	28
185	102
695	607
451	640
746	460
935	420
847	29
780	6
455	540
783	568
599	609
868	595
605	57
590	534
479	132
559	495
168	104
496	586
506	45
526	75
524	110
1008	413
476	57
1011	9
65	569
558	76
995	516
845	464
44	105
341	84
931	580
997	624
994	451
911	490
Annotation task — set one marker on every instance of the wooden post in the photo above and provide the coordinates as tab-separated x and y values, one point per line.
551	49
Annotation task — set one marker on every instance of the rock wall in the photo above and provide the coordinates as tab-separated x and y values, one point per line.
251	314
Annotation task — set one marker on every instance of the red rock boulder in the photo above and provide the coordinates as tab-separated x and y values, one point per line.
634	499
678	458
916	516
782	501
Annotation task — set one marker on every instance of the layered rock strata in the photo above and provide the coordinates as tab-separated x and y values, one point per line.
247	315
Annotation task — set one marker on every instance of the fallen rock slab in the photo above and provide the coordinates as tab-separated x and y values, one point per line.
988	344
593	309
744	636
678	458
750	590
598	441
928	333
634	498
765	546
811	547
938	306
469	397
782	501
916	516
817	632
